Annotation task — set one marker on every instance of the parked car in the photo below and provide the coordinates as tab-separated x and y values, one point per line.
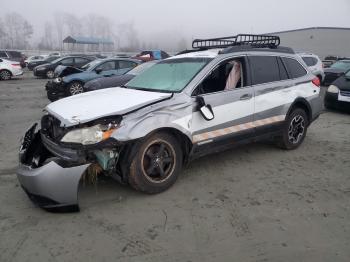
338	93
119	80
330	60
315	64
9	69
31	65
336	70
70	81
47	70
13	56
33	58
216	96
150	55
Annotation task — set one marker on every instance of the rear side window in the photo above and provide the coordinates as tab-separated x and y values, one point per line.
264	69
282	69
310	61
126	64
15	54
294	68
3	54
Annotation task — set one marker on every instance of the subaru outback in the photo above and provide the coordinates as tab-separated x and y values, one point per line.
223	92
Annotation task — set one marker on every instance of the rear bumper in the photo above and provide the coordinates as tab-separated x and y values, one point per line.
51	183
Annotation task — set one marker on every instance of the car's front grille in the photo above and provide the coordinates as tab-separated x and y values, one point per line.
345	93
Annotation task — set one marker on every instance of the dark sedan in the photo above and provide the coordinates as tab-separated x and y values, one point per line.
114	81
338	93
31	65
336	70
47	70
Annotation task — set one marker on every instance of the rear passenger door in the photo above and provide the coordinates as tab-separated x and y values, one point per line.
270	82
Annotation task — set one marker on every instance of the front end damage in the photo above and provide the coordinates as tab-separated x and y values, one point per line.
50	173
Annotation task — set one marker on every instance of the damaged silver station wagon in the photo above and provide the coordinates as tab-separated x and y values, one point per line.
223	92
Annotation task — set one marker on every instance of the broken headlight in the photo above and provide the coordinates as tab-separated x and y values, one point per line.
58	80
89	135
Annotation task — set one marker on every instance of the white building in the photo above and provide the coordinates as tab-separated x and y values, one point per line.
322	41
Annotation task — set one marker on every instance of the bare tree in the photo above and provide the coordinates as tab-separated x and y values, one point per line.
3	34
18	31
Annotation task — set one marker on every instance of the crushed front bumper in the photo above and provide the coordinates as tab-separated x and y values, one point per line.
50	182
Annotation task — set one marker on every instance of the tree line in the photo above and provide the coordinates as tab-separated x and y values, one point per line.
16	32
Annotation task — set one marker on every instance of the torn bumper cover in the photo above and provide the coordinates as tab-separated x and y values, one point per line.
50	182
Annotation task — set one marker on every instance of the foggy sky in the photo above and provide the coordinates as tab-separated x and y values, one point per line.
193	18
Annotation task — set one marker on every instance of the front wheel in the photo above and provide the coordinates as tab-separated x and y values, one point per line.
294	130
50	74
75	88
156	165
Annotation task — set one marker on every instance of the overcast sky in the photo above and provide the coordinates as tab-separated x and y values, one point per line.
194	18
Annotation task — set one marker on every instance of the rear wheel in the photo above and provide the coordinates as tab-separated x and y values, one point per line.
5	75
156	165
50	74
294	130
75	88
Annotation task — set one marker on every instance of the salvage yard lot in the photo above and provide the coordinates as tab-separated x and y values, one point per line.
253	203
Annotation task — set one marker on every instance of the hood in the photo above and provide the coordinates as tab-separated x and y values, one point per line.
334	70
62	71
342	83
90	106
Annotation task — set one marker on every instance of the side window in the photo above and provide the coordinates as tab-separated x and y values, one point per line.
67	62
126	64
164	55
282	69
110	65
81	61
310	61
294	68
3	54
264	69
228	75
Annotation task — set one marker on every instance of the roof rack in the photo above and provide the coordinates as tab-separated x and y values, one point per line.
258	41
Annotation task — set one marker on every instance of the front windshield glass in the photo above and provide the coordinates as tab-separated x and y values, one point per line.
169	75
91	64
141	68
341	65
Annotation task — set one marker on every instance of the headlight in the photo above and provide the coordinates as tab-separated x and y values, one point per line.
89	135
58	80
333	89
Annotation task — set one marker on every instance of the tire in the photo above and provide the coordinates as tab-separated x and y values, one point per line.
294	130
160	151
50	74
5	75
75	88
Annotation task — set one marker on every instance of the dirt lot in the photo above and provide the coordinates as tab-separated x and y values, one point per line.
254	203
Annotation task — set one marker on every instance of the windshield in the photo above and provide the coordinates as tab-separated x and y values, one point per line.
91	64
169	75
341	65
141	68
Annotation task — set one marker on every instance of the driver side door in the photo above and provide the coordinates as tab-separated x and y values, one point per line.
233	110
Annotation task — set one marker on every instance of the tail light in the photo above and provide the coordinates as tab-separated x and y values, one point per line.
316	81
15	64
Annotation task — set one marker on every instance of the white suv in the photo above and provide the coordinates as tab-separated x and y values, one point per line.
9	69
315	64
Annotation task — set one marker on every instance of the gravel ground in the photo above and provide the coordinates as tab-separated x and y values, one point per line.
253	203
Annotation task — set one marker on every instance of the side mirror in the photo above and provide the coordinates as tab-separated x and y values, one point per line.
206	110
98	70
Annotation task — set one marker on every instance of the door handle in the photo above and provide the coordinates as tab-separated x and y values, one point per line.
246	97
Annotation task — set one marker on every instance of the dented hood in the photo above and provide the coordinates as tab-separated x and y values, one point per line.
89	106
